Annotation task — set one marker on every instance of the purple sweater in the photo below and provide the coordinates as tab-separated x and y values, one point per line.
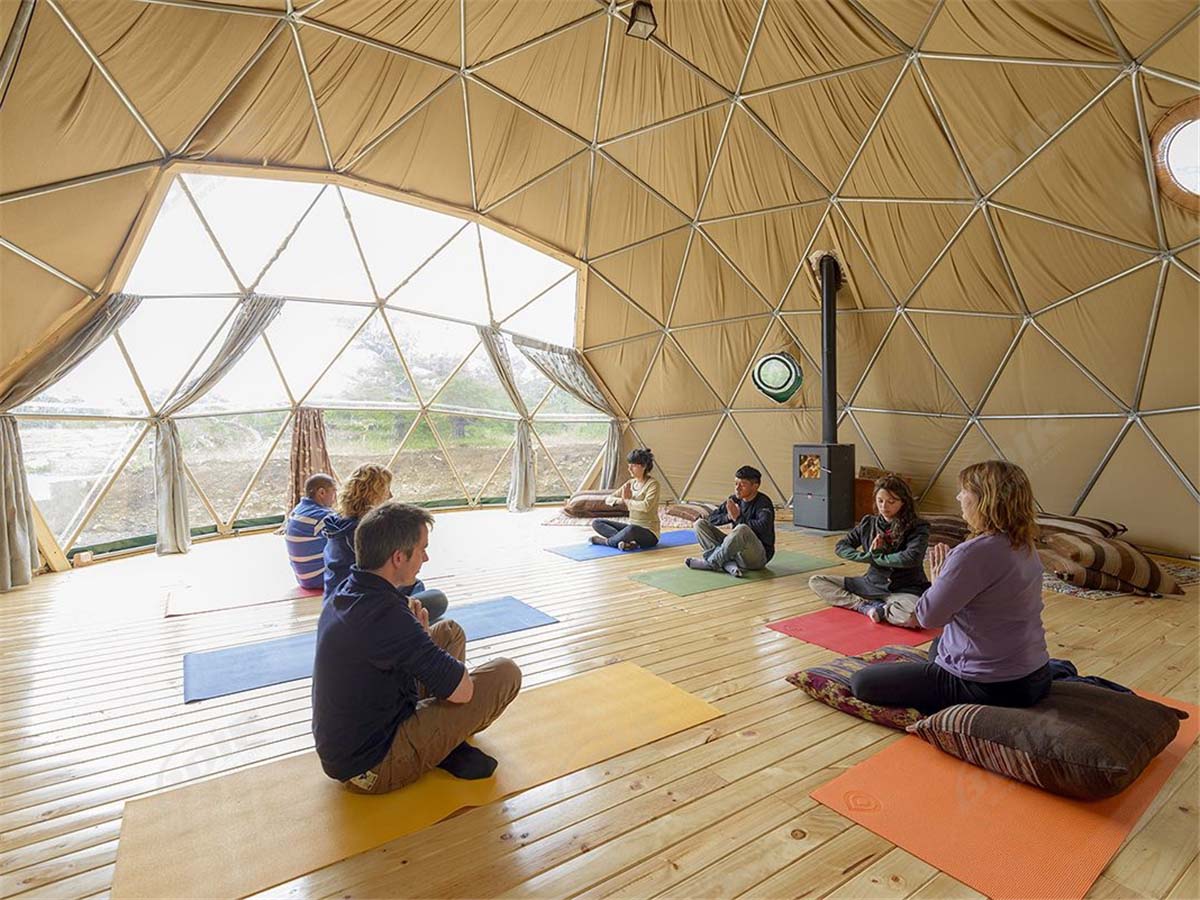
989	598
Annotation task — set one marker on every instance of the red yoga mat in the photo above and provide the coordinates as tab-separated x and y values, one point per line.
1006	839
850	633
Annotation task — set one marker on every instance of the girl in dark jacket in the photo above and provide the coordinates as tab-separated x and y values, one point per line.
892	541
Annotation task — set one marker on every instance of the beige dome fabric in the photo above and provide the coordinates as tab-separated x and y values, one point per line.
1016	285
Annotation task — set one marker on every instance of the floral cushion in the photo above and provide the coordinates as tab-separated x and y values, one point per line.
830	684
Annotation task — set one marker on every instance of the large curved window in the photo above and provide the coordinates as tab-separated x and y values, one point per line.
378	329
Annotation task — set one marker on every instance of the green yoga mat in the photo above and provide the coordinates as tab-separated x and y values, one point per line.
683	582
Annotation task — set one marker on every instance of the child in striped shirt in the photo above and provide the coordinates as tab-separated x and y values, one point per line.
305	530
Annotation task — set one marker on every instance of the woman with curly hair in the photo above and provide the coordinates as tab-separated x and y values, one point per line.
367	487
987	592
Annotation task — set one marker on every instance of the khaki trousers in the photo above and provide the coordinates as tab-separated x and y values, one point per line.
426	737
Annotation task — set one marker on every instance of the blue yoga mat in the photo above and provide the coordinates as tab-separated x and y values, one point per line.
216	673
588	550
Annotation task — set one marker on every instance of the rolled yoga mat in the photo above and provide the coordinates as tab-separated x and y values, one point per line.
247	831
683	582
231	670
587	550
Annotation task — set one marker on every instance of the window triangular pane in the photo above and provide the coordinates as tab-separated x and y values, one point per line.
321	259
516	273
268	498
162	364
531	383
450	284
223	453
178	256
305	337
200	520
251	217
496	490
475	386
128	510
550	484
574	446
100	385
549	318
561	403
68	462
474	444
355	437
396	237
431	347
367	373
421	472
252	384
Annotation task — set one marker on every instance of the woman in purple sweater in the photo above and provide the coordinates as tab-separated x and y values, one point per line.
987	592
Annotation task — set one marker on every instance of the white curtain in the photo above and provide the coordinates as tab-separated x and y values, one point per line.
522	488
255	313
18	539
564	366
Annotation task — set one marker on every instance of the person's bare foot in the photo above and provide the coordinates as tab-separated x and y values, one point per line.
596	539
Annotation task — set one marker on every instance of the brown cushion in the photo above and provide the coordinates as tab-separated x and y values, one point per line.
1050	523
1119	559
588	504
1071	572
1081	741
830	684
947	529
691	511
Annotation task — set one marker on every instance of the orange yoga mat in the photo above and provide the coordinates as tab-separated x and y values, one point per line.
1001	837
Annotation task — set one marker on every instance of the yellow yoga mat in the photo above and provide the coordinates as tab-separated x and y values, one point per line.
250	830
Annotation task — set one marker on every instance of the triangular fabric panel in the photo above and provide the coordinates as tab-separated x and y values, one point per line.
989	108
1042	29
1160	97
321	259
777	340
560	77
101	385
516	272
1178	55
768	247
859	334
728	453
26	322
253	383
1137	471
509	146
905	20
1105	329
823	122
496	28
674	159
753	173
251	218
649	272
773	434
692	38
1173	375
268	497
182	42
970	277
610	317
305	337
1105	139
553	210
723	352
907	154
427	155
268	117
361	90
429	27
969	348
1038	379
624	212
940	495
861	287
54	83
712	290
128	508
914	446
849	433
1190	256
223	476
368	372
1050	263
475	386
473	444
450	284
802	39
904	238
922	389
421	472
674	387
178	256
549	318
1139	25
687	437
1179	433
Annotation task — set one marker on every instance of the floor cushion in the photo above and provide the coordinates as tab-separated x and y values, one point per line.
1050	523
1081	741
590	504
830	684
947	529
1119	559
691	511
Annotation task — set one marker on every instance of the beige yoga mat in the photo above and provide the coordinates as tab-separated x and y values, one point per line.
250	830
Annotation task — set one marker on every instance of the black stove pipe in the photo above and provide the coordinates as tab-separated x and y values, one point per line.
831	280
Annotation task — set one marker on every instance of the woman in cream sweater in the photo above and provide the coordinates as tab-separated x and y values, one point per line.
640	494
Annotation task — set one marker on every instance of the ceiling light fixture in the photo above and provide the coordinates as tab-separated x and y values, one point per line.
641	21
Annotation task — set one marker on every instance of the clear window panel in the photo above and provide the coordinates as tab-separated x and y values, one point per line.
561	403
516	273
162	364
450	284
422	473
67	462
496	490
550	485
199	518
127	510
431	347
252	384
531	383
368	373
550	318
223	453
396	237
474	444
305	338
101	385
574	446
251	217
178	256
475	386
321	259
355	437
269	497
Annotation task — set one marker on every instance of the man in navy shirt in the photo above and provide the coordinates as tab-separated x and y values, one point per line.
391	696
751	543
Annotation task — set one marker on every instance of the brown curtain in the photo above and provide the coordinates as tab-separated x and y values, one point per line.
309	454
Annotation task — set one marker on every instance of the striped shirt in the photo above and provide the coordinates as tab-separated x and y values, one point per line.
306	542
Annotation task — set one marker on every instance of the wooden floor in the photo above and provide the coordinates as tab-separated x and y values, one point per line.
91	693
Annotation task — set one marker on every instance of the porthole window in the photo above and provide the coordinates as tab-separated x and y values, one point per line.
1176	141
778	376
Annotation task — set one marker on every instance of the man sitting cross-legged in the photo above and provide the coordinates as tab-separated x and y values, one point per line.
751	543
391	696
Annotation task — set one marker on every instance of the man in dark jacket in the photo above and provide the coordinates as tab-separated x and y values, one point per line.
751	543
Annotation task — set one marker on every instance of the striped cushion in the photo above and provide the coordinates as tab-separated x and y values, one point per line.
830	684
947	529
1081	741
691	511
1101	528
588	504
1118	559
